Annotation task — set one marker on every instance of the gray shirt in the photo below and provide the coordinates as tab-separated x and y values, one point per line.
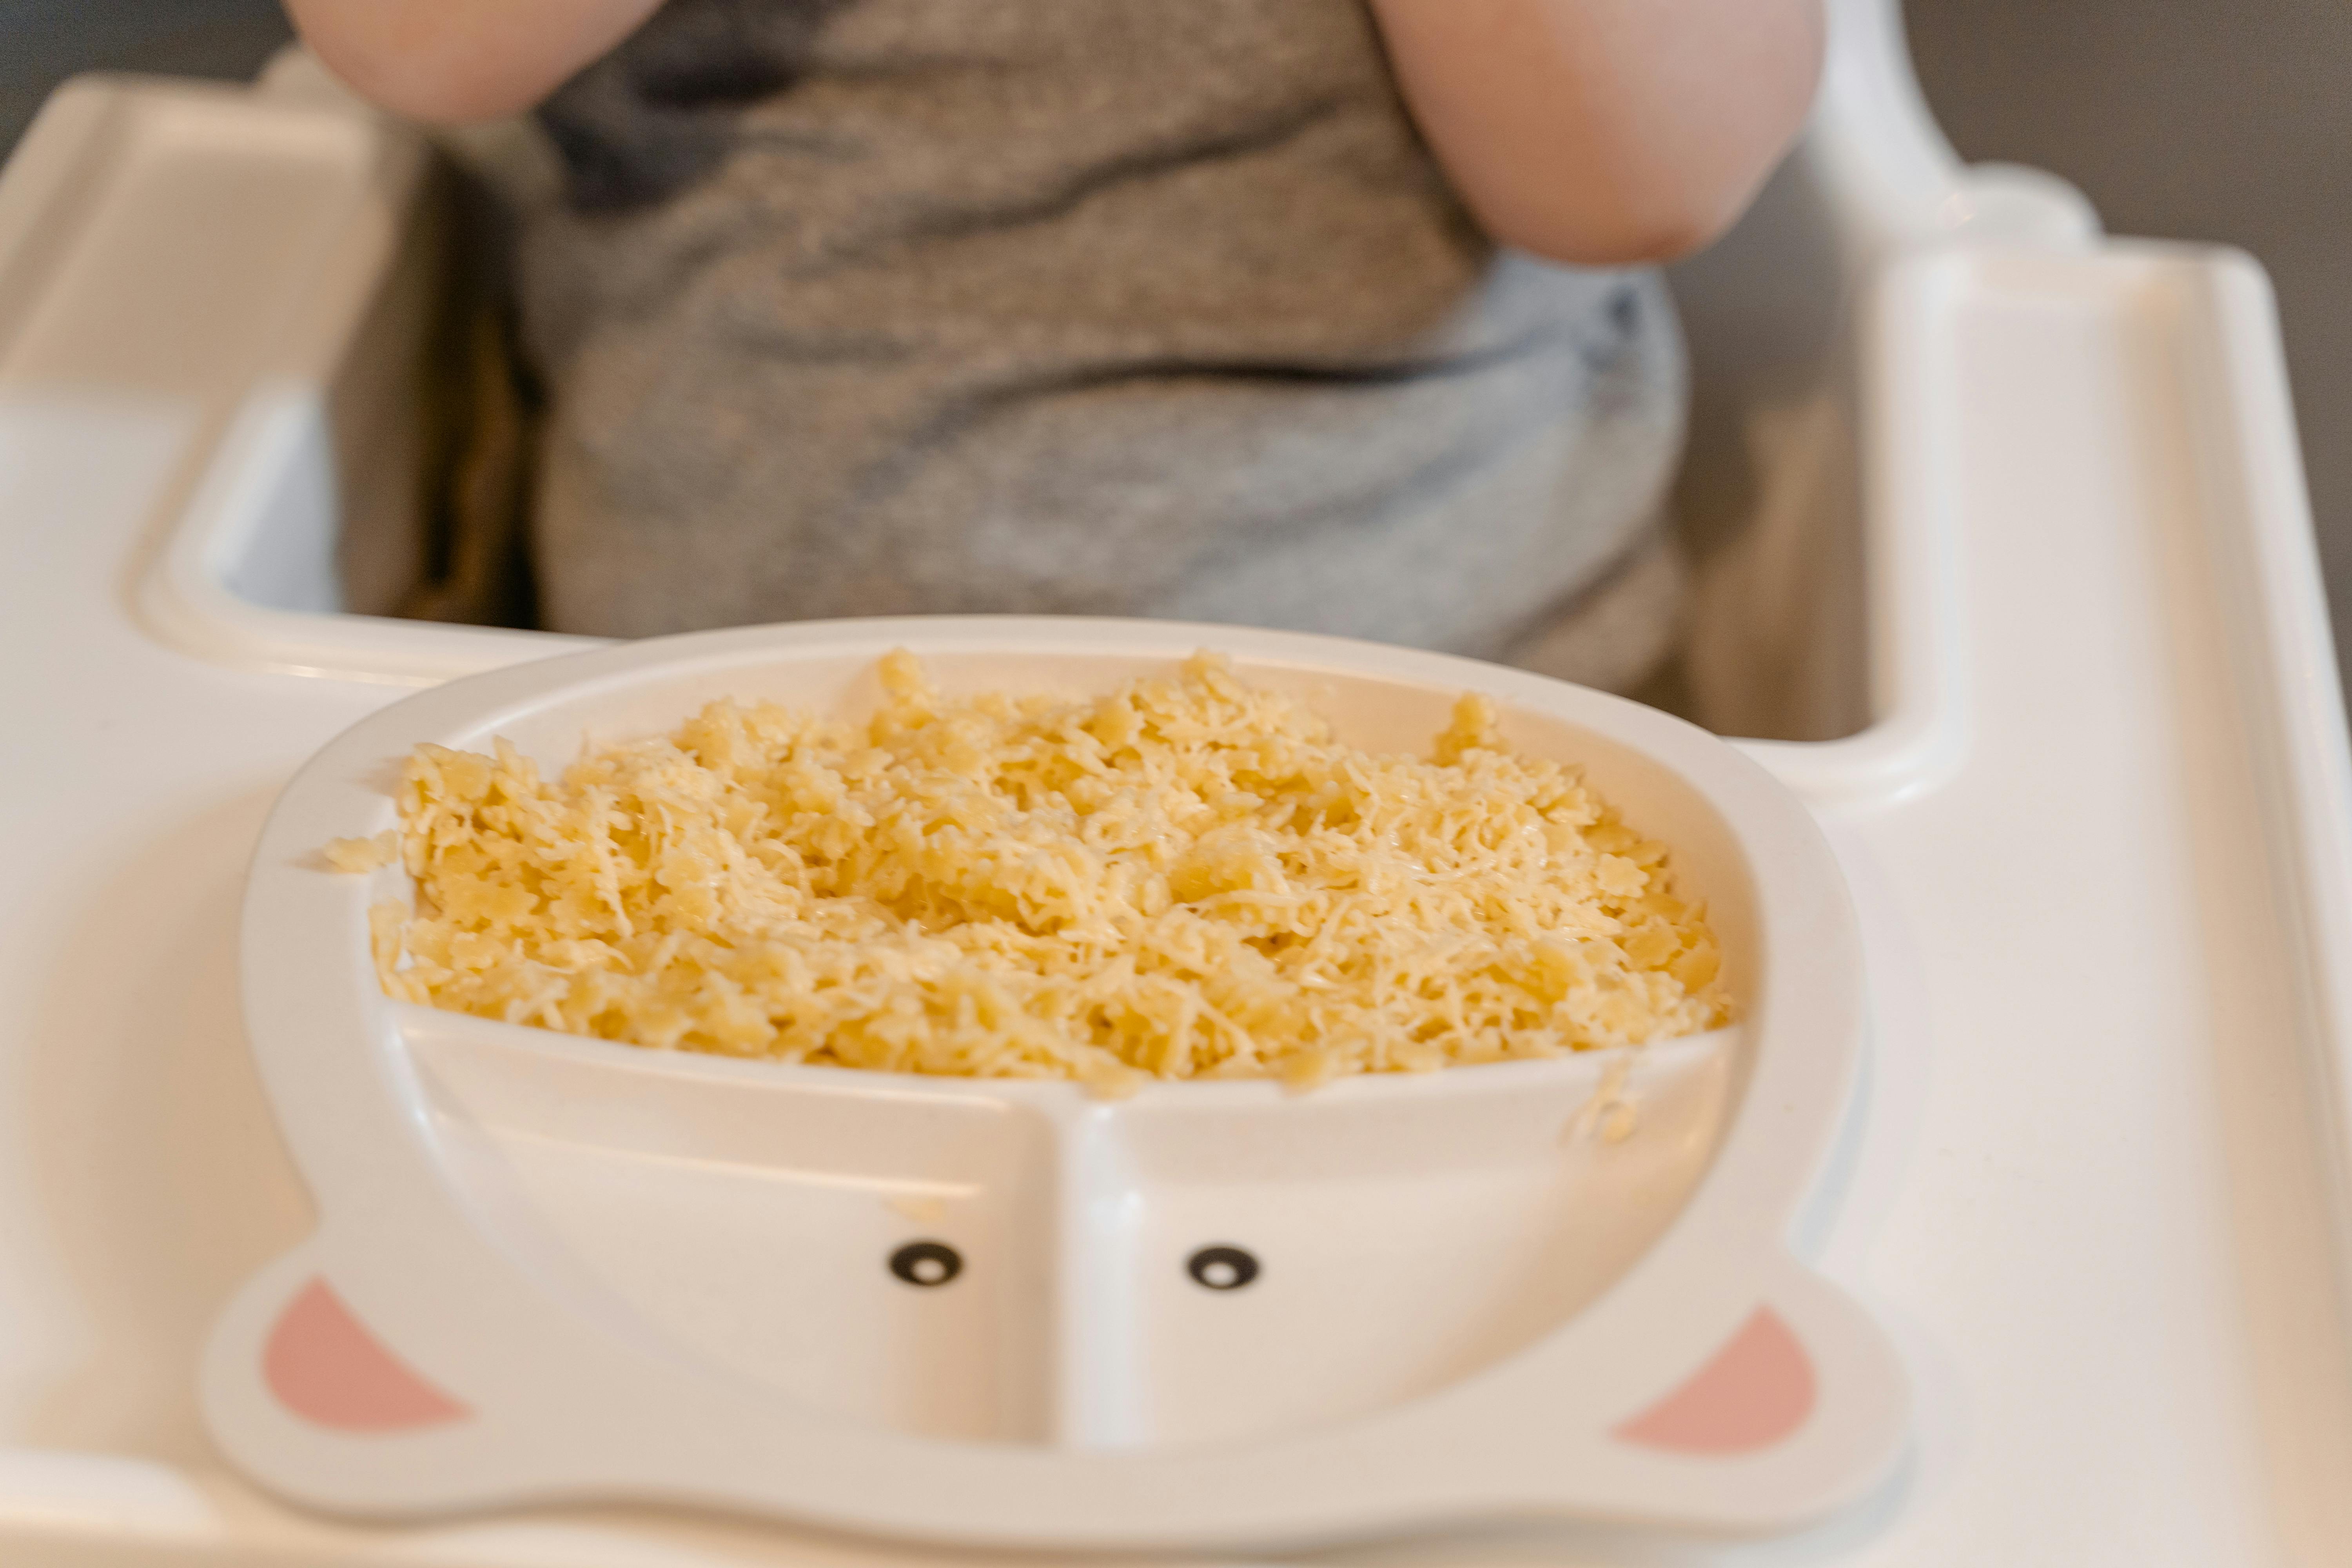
1114	306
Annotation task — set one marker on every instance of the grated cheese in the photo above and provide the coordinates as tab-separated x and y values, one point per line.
361	855
1189	878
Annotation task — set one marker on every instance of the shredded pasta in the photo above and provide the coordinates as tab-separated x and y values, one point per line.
1188	877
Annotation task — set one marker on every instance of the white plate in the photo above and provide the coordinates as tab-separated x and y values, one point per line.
550	1268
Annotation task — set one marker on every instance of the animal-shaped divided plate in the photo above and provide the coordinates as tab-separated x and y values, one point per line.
1008	1313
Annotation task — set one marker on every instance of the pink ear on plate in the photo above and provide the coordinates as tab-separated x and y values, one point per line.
1759	1389
324	1366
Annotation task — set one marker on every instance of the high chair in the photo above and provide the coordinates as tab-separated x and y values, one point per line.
2004	571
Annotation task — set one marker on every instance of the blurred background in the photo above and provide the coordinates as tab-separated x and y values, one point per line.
2218	122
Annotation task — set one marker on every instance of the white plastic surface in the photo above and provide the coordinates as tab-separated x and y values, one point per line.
2098	1183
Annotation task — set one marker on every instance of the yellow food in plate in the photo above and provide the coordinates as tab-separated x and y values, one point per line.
1188	877
361	855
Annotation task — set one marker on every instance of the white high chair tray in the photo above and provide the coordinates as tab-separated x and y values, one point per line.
2098	839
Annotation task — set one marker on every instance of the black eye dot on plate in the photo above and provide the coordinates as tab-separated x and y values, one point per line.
929	1264
1222	1267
